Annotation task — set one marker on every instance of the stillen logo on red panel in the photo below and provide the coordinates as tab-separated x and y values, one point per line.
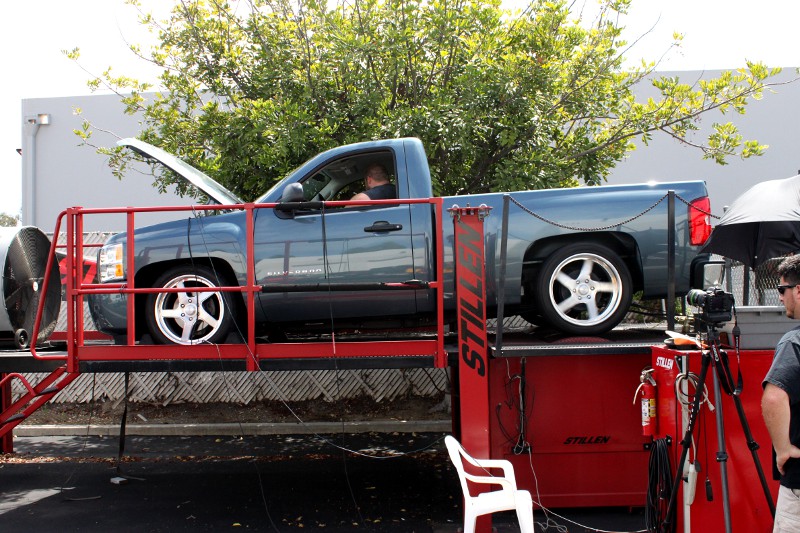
472	322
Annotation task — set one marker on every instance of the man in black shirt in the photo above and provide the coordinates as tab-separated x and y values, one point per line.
780	403
378	185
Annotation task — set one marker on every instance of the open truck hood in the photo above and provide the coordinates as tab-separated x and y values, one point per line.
215	192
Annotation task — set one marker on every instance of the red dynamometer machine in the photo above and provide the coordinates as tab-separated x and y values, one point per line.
559	409
710	425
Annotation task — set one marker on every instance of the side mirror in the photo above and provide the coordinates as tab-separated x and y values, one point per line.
713	274
292	193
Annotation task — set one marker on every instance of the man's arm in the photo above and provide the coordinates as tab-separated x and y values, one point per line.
360	197
776	412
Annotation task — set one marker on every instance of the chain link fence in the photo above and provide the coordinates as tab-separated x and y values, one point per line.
756	287
750	287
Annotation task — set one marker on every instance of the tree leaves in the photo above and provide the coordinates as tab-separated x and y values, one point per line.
9	221
502	101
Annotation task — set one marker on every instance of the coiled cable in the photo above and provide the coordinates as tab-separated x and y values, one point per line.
659	488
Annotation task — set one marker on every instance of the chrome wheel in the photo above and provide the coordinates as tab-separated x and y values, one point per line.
584	289
190	316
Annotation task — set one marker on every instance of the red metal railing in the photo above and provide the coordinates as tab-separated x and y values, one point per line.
251	352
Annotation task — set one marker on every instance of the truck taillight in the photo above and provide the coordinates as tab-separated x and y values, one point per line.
699	220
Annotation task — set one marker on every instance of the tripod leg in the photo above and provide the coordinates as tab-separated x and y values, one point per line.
722	456
753	446
686	442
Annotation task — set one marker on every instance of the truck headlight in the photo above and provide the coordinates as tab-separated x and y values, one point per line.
111	263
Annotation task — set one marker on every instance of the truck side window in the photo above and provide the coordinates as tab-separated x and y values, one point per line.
340	180
350	190
314	186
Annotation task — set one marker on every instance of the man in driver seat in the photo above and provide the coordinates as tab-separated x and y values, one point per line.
378	185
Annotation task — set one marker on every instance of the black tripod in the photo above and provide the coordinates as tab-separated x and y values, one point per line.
722	374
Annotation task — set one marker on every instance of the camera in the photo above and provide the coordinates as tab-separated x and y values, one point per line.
716	305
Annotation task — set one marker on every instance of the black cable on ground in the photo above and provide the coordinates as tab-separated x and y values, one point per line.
84	446
659	488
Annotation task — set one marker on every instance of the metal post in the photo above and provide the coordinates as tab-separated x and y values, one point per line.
746	285
501	283
72	365
722	454
728	280
129	280
473	350
671	260
77	274
7	440
252	363
30	129
440	360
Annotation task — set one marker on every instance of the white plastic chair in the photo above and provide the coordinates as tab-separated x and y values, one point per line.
505	499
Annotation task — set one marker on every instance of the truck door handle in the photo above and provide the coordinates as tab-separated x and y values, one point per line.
382	226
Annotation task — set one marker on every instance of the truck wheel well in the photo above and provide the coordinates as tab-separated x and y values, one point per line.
147	275
622	244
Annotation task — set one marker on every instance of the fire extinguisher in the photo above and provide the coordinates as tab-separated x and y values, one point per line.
646	394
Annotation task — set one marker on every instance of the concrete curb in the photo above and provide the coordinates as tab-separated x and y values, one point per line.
309	428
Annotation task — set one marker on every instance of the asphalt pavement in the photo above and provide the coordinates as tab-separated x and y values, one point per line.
328	483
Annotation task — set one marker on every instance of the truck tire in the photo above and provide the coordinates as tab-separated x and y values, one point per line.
583	289
189	317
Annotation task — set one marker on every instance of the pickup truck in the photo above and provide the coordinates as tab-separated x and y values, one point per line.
575	256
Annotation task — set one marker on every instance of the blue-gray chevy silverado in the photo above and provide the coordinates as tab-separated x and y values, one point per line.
574	256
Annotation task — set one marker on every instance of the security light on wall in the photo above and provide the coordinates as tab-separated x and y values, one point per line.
42	119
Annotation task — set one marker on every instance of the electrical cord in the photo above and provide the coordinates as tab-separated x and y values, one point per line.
518	399
659	488
74	469
285	401
551	516
341	447
509	404
520	445
684	398
326	270
222	366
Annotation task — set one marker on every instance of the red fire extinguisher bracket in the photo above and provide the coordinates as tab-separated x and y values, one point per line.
646	395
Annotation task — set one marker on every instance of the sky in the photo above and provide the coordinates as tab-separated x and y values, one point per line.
718	34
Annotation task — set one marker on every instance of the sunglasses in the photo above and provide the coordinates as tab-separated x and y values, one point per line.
782	288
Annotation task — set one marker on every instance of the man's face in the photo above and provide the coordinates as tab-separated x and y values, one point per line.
789	298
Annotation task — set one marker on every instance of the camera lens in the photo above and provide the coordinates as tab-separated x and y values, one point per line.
696	297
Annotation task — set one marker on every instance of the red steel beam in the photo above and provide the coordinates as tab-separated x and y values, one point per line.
473	349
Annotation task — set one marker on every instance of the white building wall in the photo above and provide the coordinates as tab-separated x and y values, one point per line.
57	173
774	121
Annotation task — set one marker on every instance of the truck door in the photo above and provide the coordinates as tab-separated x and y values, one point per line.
336	245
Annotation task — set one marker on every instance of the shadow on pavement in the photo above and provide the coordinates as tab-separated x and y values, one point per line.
265	483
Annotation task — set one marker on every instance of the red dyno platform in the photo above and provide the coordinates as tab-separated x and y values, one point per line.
568	419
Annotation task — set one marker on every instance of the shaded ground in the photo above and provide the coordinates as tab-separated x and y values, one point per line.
264	483
191	484
358	409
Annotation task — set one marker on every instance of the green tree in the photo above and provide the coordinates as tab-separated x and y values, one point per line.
8	221
502	101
